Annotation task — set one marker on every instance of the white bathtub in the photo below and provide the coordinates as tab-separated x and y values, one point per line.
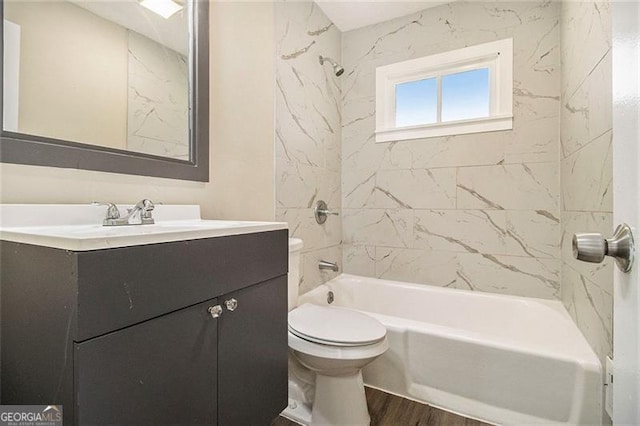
500	359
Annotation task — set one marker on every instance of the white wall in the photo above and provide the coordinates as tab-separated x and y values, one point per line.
241	163
242	103
11	75
63	94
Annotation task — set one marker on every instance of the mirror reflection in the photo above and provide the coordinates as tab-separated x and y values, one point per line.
111	73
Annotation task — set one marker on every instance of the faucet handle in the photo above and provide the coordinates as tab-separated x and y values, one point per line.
112	209
143	204
147	207
146	204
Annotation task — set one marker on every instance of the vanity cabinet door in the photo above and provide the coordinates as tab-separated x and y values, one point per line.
252	351
159	372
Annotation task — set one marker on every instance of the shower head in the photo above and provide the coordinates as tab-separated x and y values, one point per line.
337	69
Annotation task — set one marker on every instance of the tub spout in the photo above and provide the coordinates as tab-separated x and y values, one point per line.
323	264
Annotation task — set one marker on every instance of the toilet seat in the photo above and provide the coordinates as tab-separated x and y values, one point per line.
334	326
298	344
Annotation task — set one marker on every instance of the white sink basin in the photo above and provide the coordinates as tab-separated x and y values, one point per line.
79	227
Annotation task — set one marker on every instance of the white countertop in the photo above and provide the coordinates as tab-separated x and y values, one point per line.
79	227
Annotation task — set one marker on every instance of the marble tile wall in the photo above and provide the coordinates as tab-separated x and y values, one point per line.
308	134
157	99
586	164
478	211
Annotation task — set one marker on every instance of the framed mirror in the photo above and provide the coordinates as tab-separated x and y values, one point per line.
108	85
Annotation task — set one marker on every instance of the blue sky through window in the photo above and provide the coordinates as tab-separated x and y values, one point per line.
465	95
416	102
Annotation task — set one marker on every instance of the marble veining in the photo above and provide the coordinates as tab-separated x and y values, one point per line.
158	109
479	211
308	134
586	165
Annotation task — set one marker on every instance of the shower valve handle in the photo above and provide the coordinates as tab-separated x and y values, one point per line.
322	211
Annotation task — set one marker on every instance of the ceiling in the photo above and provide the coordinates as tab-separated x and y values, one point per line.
346	15
172	32
349	15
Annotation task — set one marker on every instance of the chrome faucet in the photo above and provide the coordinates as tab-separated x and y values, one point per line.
323	264
140	214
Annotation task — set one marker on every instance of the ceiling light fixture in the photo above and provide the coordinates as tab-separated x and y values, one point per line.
164	8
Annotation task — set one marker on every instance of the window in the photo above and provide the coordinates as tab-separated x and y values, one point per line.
465	95
458	92
416	102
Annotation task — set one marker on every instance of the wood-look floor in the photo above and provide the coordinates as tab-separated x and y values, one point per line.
391	410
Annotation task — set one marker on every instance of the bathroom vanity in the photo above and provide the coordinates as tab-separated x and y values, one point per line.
188	327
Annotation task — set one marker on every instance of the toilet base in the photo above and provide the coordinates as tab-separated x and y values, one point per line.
340	400
300	393
298	412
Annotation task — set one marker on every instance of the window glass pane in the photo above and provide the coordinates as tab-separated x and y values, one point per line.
465	95
416	102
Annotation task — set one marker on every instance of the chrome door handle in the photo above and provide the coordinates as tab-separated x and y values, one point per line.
215	311
593	247
231	304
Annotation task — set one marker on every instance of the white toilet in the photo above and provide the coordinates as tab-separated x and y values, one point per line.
334	343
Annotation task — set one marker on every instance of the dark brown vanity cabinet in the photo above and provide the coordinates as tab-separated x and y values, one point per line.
132	335
248	389
171	379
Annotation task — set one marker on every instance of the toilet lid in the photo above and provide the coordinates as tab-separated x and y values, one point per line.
335	326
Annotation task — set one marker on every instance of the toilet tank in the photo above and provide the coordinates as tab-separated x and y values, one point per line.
295	248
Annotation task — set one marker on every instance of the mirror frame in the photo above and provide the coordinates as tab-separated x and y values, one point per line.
20	148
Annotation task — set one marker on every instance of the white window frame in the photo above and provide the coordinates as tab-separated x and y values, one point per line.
496	55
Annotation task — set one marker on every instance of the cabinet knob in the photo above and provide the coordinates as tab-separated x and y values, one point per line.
231	304
215	311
